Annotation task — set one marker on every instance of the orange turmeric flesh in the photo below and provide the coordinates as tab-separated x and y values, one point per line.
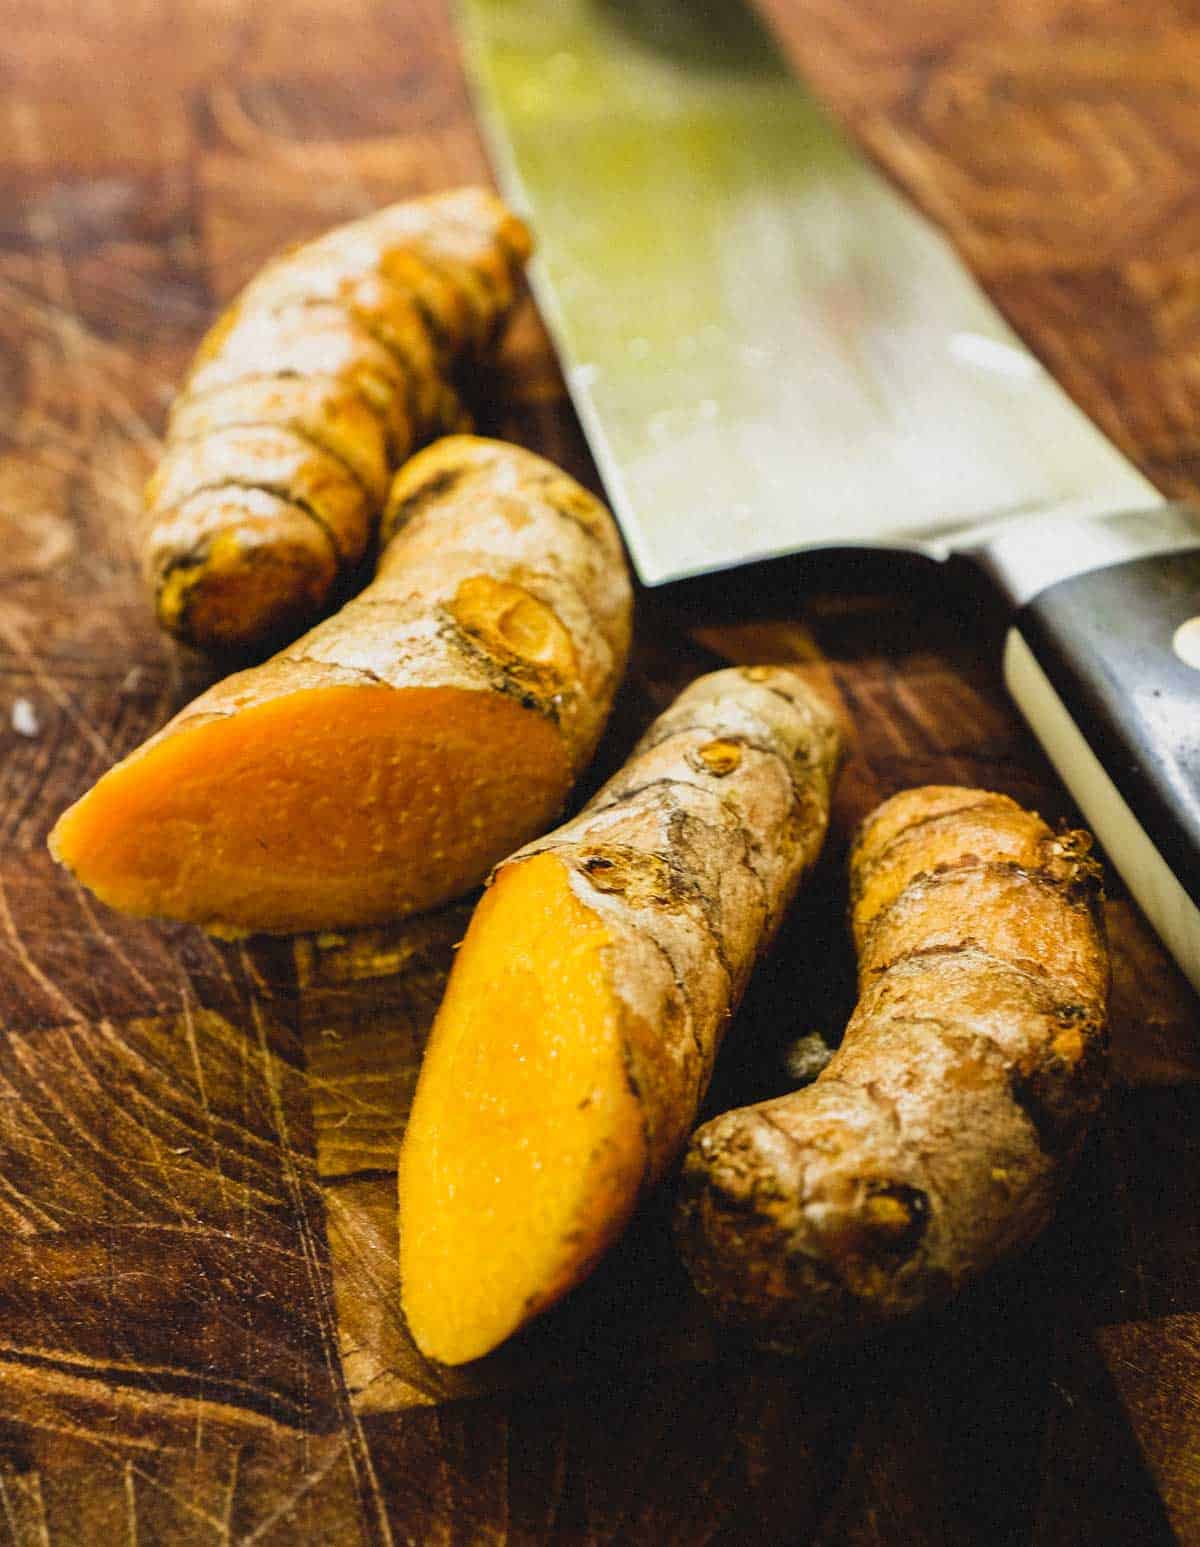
348	802
525	1150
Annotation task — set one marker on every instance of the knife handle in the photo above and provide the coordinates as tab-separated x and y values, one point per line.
1105	666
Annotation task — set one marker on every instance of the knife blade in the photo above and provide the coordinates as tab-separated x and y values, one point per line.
771	352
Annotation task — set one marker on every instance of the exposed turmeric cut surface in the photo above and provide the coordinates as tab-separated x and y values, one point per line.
358	803
526	1150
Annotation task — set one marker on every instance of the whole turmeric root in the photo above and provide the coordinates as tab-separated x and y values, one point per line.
385	762
320	380
588	999
936	1140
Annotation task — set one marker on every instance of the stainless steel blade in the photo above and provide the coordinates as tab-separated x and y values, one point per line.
768	349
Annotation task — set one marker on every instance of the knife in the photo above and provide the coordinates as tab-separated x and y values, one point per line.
771	352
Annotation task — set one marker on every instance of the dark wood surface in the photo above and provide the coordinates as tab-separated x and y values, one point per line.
200	1338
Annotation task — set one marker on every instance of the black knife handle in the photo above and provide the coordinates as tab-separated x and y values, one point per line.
1105	666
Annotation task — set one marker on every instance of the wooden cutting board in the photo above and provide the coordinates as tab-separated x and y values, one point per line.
200	1338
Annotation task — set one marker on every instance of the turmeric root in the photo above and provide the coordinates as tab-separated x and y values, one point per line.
581	1019
321	379
937	1139
384	762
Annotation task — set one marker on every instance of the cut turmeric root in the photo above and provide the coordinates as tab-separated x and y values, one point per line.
383	763
581	1020
532	1168
937	1139
321	379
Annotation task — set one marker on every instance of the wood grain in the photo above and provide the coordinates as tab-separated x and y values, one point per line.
202	1339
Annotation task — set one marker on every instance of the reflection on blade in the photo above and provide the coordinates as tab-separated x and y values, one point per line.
768	349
